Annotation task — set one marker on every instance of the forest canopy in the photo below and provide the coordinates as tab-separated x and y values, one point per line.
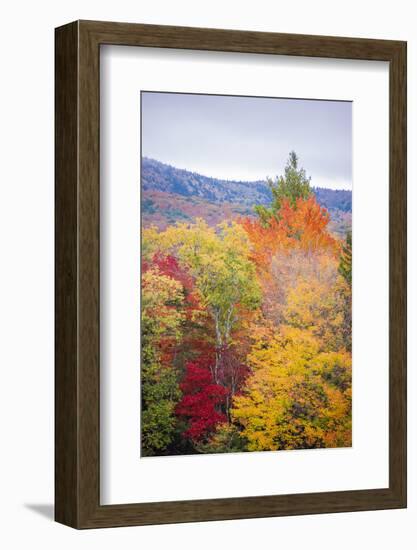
246	329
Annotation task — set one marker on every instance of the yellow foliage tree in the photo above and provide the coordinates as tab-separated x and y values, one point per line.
297	397
322	305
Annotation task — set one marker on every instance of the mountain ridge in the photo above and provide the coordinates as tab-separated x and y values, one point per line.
159	176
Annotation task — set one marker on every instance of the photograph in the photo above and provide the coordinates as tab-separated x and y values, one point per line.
208	273
246	274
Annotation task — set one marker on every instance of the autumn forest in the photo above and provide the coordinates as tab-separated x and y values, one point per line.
246	324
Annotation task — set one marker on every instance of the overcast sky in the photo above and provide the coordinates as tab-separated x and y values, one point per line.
249	138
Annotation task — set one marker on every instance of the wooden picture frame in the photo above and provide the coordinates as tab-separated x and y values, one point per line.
77	382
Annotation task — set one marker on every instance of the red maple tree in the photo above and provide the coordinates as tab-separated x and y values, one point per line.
203	401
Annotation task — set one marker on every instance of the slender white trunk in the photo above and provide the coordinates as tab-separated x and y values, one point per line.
218	344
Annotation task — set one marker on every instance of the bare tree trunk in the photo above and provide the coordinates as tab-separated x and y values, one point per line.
228	323
223	331
218	344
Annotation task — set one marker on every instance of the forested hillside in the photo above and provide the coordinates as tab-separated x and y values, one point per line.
340	199
171	194
163	177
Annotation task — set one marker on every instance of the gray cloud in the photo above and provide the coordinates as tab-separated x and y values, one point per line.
249	138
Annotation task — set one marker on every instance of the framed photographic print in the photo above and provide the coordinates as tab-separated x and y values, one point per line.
230	274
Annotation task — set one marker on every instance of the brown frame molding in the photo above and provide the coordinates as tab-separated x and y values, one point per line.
77	274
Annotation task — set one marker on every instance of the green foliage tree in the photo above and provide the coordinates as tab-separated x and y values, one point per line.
293	185
345	265
226	439
160	393
161	318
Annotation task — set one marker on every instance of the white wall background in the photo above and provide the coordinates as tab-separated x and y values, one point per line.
26	272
